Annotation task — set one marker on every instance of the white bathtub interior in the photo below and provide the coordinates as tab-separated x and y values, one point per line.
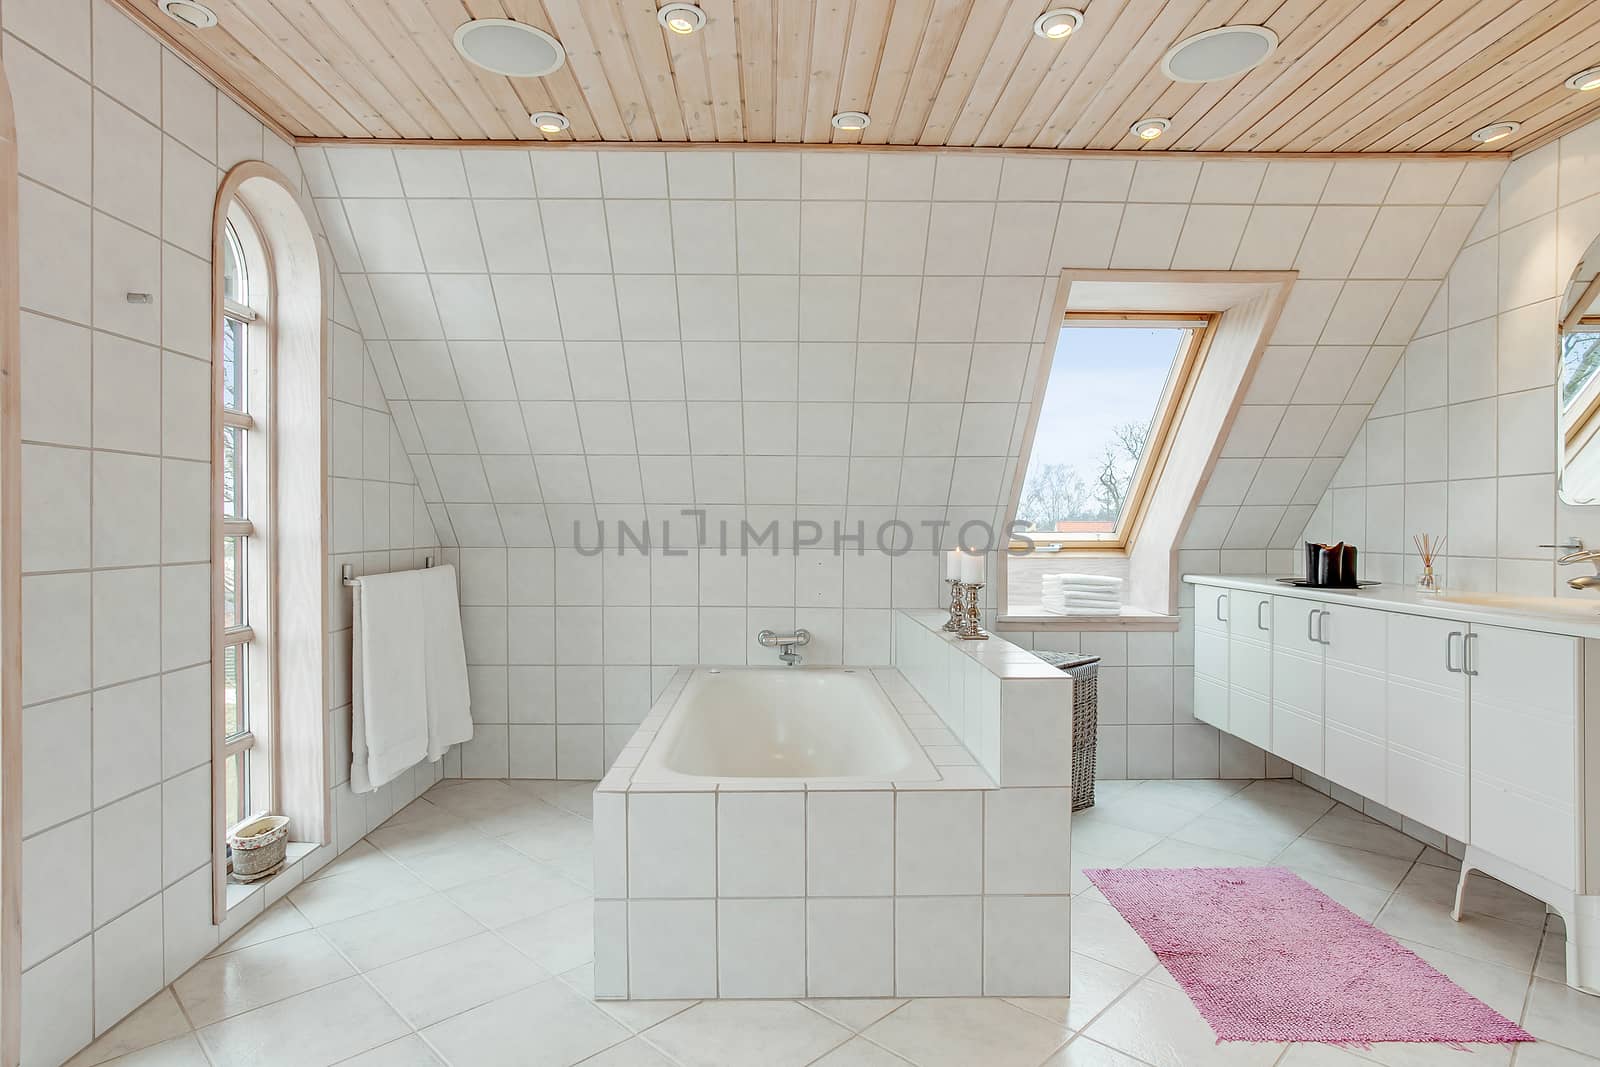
761	724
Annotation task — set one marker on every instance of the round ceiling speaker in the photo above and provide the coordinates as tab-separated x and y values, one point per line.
1214	55
514	49
191	13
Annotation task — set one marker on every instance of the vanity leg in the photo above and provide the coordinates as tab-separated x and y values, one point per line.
1461	891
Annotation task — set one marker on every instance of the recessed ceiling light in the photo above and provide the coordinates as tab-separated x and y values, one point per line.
191	13
1585	80
681	18
851	120
1058	23
1495	131
1149	129
1213	55
514	49
549	121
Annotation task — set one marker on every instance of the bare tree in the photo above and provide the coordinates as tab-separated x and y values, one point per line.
1118	462
1053	492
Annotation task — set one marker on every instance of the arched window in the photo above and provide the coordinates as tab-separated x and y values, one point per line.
269	532
244	507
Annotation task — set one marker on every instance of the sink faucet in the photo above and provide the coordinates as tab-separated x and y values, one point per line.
1576	553
786	643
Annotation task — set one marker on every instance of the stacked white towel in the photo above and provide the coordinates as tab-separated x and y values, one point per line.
1081	594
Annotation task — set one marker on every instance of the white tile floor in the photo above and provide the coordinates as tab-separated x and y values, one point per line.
459	933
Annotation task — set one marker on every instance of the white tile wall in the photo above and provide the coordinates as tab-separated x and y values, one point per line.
805	336
1461	440
121	150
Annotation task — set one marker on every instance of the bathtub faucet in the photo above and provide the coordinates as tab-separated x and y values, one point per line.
787	643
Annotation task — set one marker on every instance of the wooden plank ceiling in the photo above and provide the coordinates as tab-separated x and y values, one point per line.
1348	76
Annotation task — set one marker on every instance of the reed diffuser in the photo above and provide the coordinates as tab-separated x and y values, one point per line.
1428	550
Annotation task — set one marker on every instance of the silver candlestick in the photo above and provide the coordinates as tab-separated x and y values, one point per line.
971	617
957	605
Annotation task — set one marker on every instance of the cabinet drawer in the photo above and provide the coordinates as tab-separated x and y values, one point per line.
1210	608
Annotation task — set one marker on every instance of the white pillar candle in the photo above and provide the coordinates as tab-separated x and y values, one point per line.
952	565
972	568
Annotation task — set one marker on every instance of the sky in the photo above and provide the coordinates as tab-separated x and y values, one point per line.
1100	378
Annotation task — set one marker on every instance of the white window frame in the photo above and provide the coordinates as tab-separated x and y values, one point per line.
1164	421
251	637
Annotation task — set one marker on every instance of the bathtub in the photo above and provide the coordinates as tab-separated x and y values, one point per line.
754	725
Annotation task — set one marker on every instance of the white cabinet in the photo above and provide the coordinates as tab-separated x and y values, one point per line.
1297	682
1427	738
1250	667
1211	656
1526	691
1354	698
1489	734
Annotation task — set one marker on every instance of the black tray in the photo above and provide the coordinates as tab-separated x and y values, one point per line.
1303	584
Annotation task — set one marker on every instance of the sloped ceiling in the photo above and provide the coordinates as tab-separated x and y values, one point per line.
567	334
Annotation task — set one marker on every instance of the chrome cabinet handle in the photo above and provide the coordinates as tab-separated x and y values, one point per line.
1311	624
1260	605
1322	632
1450	652
1221	600
1469	657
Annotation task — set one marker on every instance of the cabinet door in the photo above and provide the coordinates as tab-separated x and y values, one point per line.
1427	725
1211	656
1297	683
1250	667
1525	690
1354	698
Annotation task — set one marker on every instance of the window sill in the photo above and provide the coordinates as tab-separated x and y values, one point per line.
1028	617
270	889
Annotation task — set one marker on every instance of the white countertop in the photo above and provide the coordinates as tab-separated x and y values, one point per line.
1578	617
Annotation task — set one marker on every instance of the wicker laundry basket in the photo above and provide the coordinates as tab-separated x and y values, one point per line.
1084	671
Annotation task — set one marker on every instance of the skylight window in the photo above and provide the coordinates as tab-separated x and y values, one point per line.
1113	387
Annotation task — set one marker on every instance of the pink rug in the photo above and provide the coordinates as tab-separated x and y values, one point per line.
1267	957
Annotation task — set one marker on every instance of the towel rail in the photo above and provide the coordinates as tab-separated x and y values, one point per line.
348	571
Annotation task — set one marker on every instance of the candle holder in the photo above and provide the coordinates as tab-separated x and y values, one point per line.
971	618
957	606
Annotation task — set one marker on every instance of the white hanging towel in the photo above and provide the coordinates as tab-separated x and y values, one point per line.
449	699
389	711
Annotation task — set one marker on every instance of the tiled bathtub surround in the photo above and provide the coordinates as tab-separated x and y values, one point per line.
1006	705
959	887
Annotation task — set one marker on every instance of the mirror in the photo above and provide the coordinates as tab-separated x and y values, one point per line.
1578	394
